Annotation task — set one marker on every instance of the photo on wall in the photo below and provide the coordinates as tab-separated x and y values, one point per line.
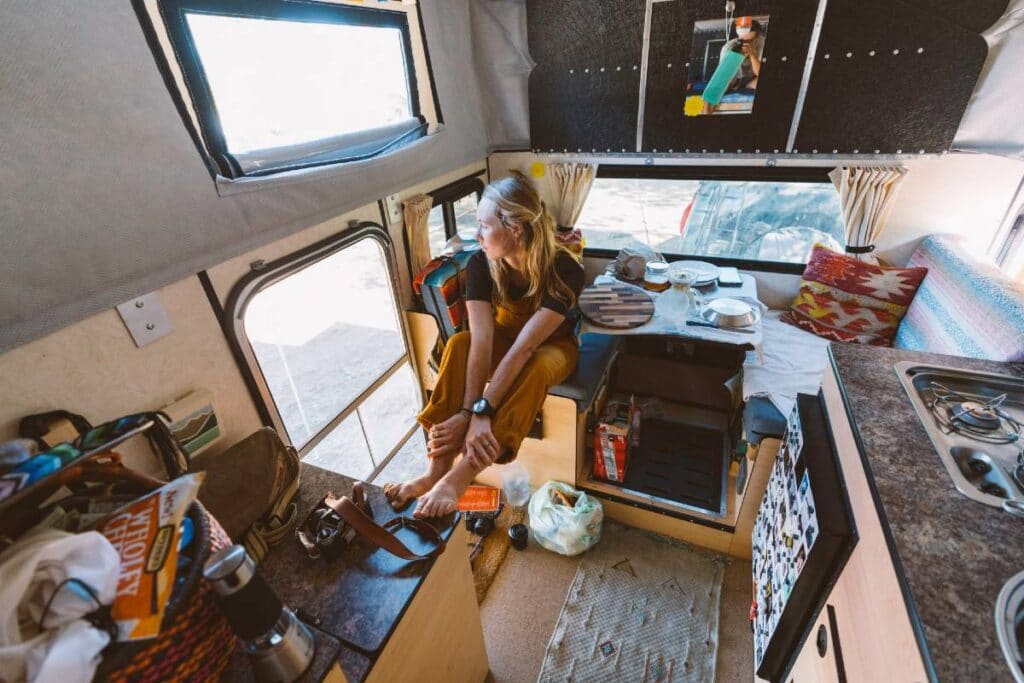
725	65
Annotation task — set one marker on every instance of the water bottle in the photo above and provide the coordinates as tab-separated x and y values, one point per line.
515	482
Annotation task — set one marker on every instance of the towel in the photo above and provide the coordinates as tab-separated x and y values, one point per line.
68	649
793	363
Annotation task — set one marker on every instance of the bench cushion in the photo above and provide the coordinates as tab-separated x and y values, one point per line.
762	420
964	307
597	351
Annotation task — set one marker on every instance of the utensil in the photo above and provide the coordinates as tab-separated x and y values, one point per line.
731	313
705	323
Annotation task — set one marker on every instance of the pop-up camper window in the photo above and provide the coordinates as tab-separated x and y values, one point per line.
777	218
277	85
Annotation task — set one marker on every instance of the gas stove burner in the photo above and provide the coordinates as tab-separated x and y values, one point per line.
973	416
993	489
1018	473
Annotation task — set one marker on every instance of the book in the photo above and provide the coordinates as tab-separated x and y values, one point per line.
479	499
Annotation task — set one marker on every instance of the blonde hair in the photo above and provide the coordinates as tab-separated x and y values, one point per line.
519	204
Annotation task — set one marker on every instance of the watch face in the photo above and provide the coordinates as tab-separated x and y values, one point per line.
480	406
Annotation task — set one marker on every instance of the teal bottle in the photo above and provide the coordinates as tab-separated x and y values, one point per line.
720	80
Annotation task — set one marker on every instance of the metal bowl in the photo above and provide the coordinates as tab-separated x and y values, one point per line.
727	312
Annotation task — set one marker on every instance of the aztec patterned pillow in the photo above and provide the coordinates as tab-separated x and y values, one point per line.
847	300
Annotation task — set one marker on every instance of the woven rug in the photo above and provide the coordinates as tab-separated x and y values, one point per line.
487	555
643	610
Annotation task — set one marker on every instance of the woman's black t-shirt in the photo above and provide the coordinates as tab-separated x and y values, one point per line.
479	286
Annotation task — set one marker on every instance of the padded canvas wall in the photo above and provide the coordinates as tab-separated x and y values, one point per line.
873	101
105	196
888	76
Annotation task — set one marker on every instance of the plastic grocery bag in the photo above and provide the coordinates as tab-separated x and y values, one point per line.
564	520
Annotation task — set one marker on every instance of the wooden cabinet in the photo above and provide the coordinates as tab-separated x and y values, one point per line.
871	617
820	660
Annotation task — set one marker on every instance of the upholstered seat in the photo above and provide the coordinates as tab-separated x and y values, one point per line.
597	351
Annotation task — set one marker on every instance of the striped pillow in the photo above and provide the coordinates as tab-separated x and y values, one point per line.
843	299
966	306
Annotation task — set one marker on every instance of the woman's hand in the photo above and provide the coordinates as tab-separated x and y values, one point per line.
482	447
446	438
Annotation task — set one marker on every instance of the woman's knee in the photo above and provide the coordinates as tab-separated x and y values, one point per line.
550	364
458	343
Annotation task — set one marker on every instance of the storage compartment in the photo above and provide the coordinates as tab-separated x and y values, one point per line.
682	372
680	462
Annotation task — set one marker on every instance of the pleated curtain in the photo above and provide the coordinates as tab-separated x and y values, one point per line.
571	183
865	196
417	210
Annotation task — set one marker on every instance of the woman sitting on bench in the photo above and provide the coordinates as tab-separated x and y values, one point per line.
521	292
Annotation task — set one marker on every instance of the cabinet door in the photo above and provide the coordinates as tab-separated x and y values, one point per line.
818	661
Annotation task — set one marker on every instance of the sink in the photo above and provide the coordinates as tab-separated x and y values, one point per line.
975	420
1010	624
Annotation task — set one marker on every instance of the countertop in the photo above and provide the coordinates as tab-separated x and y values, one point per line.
954	553
360	597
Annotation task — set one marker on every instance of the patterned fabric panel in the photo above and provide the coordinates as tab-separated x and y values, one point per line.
965	307
844	299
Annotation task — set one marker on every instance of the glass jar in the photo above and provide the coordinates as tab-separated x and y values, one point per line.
656	276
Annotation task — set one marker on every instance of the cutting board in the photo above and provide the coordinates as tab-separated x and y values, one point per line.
616	305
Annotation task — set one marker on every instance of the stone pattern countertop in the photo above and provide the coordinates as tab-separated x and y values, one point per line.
955	553
359	597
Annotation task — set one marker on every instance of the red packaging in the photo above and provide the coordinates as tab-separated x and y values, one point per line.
618	429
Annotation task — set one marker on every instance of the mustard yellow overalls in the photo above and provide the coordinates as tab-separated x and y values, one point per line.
550	364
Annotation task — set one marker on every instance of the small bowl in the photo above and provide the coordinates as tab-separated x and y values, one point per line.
728	312
683	277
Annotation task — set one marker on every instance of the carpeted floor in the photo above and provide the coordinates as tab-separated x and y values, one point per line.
523	604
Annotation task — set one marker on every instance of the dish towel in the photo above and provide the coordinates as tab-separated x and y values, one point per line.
793	362
68	649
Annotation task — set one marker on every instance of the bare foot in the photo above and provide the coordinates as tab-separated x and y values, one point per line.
447	438
401	494
438	501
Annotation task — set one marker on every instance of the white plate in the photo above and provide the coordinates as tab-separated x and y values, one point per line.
707	272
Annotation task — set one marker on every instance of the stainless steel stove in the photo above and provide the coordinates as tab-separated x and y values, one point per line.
976	422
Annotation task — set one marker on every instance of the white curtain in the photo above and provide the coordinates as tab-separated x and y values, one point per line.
865	196
571	183
417	210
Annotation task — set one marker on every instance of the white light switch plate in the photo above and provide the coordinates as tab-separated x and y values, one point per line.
145	318
394	208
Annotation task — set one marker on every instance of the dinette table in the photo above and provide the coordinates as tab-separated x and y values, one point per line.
672	309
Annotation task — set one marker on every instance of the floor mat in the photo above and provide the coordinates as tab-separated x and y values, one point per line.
487	554
643	609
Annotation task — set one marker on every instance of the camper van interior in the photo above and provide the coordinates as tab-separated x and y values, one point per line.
512	340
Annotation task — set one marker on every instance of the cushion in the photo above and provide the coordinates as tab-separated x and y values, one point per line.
844	299
965	307
597	351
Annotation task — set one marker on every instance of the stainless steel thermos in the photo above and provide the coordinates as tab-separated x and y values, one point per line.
279	646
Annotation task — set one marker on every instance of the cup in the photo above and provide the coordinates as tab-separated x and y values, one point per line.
656	276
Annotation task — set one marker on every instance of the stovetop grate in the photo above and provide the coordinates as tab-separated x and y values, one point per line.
974	416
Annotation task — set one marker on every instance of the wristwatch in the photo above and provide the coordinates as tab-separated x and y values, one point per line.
483	407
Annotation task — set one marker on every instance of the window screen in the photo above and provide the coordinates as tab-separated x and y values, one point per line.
280	84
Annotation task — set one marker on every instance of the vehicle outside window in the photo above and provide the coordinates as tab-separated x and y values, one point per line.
758	220
328	345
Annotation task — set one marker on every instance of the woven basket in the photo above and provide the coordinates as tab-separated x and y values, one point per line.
195	641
